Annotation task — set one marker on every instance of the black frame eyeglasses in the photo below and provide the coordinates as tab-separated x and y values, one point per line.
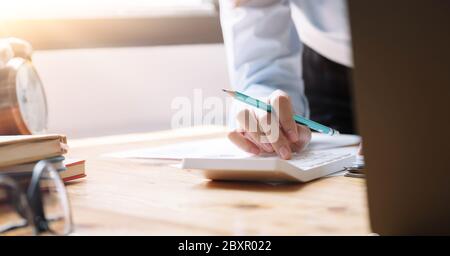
40	200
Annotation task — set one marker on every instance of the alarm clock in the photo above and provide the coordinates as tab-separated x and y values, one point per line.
23	105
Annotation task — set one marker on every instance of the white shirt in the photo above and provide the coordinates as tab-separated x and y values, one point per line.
264	39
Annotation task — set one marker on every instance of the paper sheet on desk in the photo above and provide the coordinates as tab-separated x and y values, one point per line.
223	147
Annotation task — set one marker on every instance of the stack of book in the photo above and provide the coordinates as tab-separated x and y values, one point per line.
19	154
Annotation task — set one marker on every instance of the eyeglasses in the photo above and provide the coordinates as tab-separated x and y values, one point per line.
34	205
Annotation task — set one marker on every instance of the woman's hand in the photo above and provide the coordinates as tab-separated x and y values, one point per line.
268	132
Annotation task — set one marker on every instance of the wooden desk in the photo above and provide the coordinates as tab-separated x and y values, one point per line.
149	197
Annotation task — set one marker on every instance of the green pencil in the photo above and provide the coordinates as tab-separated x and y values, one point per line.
298	119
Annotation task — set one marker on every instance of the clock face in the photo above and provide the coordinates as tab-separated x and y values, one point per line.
31	98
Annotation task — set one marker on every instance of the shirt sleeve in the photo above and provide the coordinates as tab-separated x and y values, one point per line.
263	51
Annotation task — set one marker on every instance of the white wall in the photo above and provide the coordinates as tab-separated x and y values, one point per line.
94	92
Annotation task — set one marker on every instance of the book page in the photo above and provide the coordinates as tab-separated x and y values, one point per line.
14	139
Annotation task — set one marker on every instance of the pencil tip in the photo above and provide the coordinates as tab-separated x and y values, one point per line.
229	92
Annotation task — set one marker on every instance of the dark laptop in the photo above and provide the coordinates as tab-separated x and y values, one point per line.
402	91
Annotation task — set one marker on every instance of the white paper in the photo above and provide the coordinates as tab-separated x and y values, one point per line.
222	147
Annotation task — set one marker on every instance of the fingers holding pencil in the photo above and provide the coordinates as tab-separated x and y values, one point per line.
262	131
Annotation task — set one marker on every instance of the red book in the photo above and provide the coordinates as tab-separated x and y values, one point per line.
75	169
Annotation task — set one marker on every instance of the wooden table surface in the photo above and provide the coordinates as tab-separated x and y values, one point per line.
151	197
